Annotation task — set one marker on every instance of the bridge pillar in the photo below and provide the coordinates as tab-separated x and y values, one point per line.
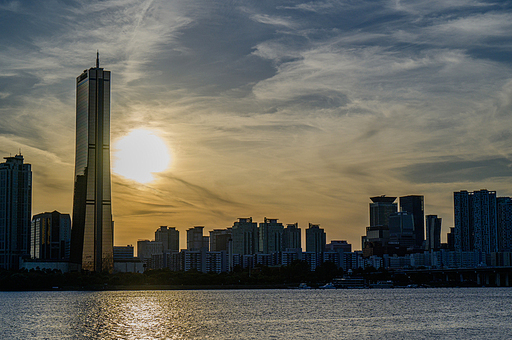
498	279
478	279
461	277
486	279
506	280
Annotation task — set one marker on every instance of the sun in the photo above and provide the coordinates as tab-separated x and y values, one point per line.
139	155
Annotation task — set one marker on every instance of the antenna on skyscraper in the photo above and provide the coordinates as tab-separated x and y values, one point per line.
97	59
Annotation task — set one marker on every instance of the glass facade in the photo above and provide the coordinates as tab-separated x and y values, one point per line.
92	232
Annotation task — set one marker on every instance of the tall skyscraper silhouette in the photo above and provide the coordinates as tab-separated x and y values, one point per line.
476	221
15	211
414	204
92	230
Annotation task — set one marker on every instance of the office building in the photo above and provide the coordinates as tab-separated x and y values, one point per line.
414	204
401	229
271	236
315	239
244	234
170	238
15	211
380	209
50	236
92	230
433	227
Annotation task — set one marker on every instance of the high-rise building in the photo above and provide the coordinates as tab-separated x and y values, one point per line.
92	230
196	240
170	238
315	239
15	211
219	239
505	223
292	237
414	204
380	209
271	236
401	229
244	234
50	236
475	221
433	225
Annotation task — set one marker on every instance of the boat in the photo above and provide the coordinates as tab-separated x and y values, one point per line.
382	284
304	286
349	283
328	286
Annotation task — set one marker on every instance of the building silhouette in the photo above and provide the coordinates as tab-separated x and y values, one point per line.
401	229
504	206
380	209
315	239
170	238
50	236
433	227
244	234
292	237
271	236
15	211
219	239
196	240
92	229
476	221
414	204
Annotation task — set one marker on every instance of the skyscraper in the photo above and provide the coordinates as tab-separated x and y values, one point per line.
433	224
504	223
92	229
401	229
380	209
476	221
414	204
15	211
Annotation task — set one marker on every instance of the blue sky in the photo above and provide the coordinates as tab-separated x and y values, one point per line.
286	109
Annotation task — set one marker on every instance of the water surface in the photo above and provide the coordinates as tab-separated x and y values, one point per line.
444	313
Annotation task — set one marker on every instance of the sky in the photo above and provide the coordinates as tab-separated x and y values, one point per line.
293	110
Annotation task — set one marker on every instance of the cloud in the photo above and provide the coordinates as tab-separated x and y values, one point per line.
458	170
297	110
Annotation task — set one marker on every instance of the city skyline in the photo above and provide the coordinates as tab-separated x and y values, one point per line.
296	110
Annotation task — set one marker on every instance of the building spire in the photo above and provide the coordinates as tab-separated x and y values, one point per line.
97	59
